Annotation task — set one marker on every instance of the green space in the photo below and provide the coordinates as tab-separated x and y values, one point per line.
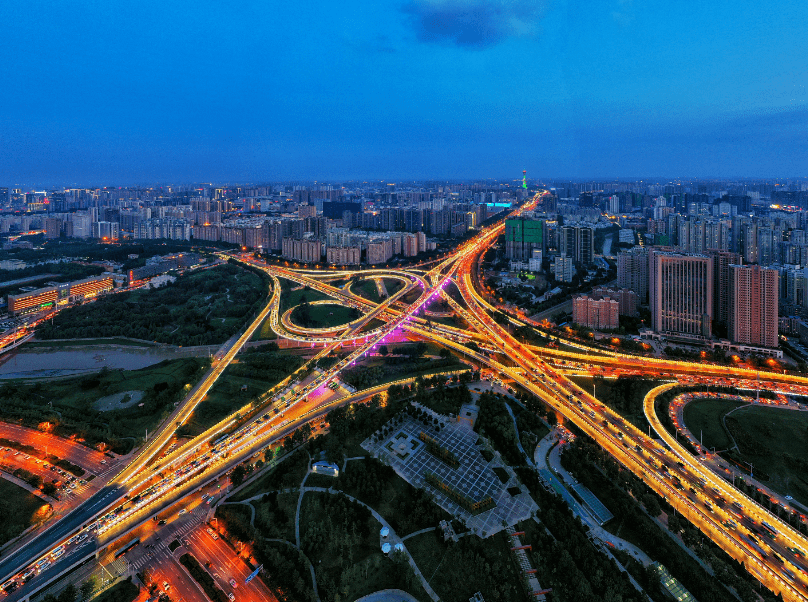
254	372
89	343
203	578
264	332
323	316
275	515
203	307
633	504
373	324
456	571
406	361
288	473
302	294
123	591
69	404
366	288
624	395
405	507
19	509
341	538
703	418
392	285
775	442
412	296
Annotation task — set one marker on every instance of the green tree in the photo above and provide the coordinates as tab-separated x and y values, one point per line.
88	587
237	478
69	594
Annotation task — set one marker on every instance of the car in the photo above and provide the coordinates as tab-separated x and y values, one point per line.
233	582
166	585
162	522
210	530
183	511
231	597
103	461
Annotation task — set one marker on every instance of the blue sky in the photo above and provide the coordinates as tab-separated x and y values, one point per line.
143	91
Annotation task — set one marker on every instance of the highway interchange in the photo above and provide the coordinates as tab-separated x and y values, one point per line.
774	552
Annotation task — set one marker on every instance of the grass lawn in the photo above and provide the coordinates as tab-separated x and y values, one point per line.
74	399
372	325
780	446
392	285
323	316
367	289
704	417
412	296
265	332
18	508
290	298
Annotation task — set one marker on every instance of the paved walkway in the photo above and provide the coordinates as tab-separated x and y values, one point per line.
392	538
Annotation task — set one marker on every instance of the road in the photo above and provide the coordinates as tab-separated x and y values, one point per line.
690	487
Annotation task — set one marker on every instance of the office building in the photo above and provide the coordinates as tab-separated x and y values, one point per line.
753	316
522	237
632	271
681	291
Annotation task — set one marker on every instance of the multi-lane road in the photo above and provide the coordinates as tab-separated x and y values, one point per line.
769	547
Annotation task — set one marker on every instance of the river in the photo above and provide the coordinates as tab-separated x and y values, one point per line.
42	362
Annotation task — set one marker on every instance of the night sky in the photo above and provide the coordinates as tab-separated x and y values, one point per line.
172	91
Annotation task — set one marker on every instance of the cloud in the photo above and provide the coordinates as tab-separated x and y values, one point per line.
474	24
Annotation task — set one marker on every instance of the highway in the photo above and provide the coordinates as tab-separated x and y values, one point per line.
773	552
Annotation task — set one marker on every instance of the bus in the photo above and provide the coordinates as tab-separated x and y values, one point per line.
770	531
128	548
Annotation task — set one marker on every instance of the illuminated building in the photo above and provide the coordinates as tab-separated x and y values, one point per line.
753	297
681	289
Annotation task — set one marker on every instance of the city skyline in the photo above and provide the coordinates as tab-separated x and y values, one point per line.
429	89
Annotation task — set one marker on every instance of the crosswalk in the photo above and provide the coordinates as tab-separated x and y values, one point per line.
160	548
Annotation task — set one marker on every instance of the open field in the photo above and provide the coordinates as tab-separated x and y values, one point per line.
367	289
703	418
290	298
18	508
69	403
323	316
775	441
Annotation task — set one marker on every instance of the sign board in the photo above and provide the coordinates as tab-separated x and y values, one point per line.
252	575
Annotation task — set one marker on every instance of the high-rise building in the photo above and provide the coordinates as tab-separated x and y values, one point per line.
577	242
601	313
754	294
522	236
632	271
721	262
681	291
563	268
